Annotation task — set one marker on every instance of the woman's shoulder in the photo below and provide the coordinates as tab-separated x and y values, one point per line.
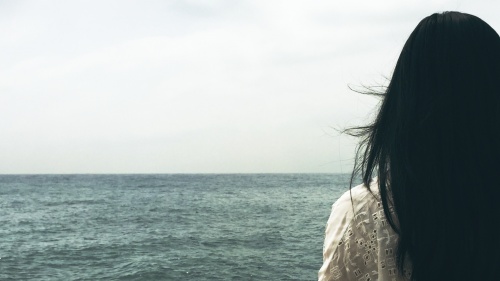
359	198
359	243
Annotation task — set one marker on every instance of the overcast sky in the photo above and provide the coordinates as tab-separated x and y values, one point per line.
196	86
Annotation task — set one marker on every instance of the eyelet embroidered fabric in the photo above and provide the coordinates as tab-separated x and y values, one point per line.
360	245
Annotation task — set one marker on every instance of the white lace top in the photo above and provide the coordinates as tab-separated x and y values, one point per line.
360	246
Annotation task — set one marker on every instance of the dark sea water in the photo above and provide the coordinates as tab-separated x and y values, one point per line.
164	227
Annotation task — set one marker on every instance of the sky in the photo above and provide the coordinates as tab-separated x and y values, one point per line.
207	86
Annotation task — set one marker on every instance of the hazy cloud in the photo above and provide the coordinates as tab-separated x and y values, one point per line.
194	86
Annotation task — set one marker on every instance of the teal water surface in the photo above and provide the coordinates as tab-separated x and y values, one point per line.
165	227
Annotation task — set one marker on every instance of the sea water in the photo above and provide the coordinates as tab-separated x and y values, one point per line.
165	227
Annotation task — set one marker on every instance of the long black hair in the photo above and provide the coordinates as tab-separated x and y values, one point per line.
435	147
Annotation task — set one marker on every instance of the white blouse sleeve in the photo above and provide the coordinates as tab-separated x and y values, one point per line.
359	243
337	225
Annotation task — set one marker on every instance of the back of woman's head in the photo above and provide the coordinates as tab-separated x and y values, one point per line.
435	146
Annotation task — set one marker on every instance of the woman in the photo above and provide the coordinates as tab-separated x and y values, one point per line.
432	212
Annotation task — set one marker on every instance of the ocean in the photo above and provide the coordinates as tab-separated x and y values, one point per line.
165	227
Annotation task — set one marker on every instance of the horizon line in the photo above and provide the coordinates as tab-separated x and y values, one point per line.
176	173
